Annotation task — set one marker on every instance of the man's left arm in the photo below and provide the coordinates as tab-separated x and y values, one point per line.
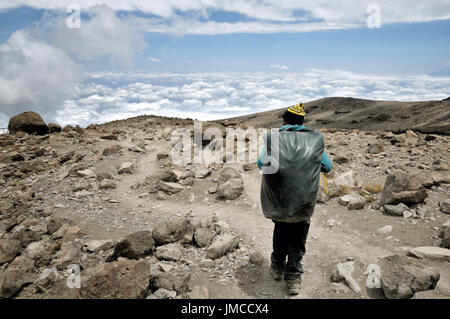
325	164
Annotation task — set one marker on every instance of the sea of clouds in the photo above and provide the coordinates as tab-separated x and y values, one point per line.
43	66
206	96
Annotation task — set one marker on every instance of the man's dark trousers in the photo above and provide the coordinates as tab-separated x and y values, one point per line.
289	241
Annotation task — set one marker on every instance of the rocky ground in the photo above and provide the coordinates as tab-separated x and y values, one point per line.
109	200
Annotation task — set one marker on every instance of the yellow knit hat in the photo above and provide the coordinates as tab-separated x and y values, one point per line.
297	109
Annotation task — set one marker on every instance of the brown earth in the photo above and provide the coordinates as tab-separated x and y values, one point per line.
336	235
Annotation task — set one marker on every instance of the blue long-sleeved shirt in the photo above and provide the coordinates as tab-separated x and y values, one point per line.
325	164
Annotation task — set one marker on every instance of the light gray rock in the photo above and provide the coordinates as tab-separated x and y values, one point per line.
40	252
175	280
162	293
385	230
230	184
88	173
199	292
179	229
171	252
207	263
171	188
221	245
98	245
395	210
127	168
430	252
343	272
352	201
202	173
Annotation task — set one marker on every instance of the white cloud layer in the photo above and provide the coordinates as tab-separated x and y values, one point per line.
270	15
35	75
206	96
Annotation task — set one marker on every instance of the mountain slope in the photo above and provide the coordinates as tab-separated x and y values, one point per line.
352	113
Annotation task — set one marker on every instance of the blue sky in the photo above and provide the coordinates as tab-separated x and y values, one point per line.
48	67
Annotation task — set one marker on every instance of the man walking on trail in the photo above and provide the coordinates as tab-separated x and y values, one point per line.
291	162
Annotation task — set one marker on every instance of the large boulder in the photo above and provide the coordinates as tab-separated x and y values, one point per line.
179	229
402	276
230	184
28	122
400	187
124	279
135	245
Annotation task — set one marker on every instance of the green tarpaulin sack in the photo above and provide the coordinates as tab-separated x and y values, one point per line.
290	180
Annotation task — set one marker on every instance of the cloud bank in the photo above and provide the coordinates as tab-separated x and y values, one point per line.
205	96
35	75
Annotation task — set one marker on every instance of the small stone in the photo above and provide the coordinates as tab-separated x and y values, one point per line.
198	292
170	252
86	173
127	168
162	155
396	210
445	206
385	230
430	252
168	187
221	245
106	184
96	246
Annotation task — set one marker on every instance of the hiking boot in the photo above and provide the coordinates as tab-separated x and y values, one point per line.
276	272
293	286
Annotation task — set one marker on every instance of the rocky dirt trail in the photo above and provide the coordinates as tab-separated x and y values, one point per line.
116	183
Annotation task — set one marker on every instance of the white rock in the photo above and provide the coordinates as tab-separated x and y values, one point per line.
385	230
127	168
430	252
86	173
170	187
98	245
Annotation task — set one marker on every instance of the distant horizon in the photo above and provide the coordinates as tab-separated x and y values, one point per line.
96	61
222	119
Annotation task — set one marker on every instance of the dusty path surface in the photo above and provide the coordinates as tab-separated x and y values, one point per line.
337	234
